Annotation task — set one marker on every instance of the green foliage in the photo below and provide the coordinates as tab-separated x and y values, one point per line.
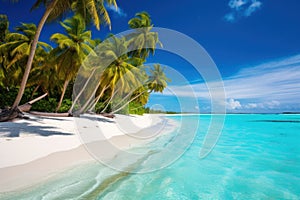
151	111
99	107
136	108
3	27
65	106
45	105
158	80
125	78
8	95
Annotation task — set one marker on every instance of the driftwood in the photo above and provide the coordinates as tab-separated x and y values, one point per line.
10	114
27	106
46	114
108	115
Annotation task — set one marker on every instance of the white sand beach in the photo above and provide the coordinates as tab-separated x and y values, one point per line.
35	149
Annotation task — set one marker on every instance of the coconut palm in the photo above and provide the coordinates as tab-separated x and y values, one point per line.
43	74
157	80
142	41
15	51
54	9
119	74
72	50
18	43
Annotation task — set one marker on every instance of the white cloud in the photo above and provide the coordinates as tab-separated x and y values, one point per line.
232	104
253	106
269	85
241	8
273	104
255	5
119	11
237	4
265	105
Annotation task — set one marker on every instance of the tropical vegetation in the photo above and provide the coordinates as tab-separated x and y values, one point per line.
114	66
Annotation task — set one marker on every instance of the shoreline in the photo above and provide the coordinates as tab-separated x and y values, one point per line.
36	168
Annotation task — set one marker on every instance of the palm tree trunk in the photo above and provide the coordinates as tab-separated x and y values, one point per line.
127	103
87	103
97	98
110	99
81	91
34	91
123	99
32	53
83	108
62	95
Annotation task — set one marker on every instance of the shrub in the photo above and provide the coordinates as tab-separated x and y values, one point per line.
65	106
45	105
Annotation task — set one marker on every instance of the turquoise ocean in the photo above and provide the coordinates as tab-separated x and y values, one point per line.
257	157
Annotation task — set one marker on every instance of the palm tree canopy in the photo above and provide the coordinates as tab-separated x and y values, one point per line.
142	40
73	46
15	51
120	71
90	10
141	20
157	80
19	43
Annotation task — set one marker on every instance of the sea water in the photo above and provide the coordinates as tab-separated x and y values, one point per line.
257	157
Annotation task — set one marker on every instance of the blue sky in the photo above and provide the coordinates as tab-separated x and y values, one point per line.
254	43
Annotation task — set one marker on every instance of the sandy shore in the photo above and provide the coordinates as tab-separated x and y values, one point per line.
36	149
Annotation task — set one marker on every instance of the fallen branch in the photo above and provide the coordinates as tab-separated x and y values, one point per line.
108	115
10	114
27	106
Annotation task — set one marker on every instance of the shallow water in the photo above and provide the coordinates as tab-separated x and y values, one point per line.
256	157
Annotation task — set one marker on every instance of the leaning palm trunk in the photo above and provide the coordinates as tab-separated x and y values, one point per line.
128	102
62	95
123	99
110	99
87	104
32	53
34	91
81	91
91	106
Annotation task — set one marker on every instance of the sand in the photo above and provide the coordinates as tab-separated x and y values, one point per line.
35	149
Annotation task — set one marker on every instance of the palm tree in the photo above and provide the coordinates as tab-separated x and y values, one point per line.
16	49
72	50
54	9
118	74
18	43
157	80
43	74
94	10
142	41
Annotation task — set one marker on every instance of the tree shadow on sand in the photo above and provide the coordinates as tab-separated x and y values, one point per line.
12	129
